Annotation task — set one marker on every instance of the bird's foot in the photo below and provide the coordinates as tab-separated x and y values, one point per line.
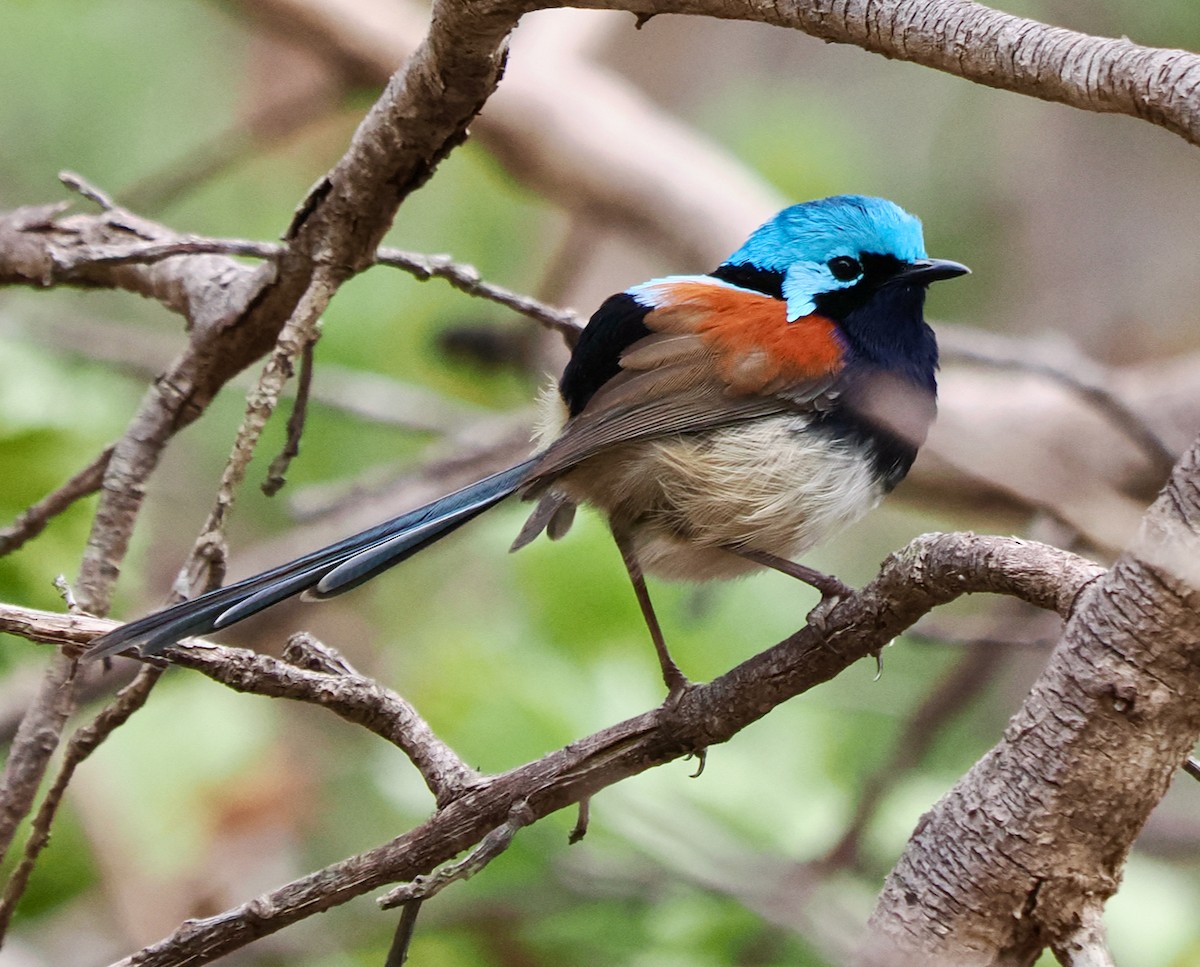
833	591
678	684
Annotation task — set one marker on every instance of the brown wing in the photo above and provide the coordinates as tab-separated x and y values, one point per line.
715	356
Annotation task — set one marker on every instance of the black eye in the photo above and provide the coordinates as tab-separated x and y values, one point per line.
845	268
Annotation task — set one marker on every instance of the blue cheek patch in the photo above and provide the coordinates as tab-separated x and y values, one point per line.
802	283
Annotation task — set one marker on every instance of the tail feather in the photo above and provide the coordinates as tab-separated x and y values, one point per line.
324	573
379	557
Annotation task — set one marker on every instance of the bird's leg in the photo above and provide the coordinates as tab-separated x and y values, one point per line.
827	584
675	680
832	589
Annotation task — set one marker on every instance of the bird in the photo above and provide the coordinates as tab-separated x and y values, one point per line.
721	422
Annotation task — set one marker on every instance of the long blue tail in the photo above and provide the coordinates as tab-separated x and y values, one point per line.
324	573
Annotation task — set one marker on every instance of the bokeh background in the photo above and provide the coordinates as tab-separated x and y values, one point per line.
213	121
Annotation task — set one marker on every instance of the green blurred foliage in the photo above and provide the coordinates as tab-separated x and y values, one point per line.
51	413
117	133
508	657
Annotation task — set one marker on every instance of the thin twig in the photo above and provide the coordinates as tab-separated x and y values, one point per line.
77	183
276	475
148	253
33	520
261	402
397	954
491	846
467	279
67	593
81	745
582	817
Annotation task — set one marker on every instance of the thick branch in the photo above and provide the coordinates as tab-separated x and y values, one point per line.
1112	75
1014	858
689	196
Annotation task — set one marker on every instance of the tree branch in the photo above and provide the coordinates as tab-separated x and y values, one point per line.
932	570
989	47
33	520
83	743
491	846
1044	822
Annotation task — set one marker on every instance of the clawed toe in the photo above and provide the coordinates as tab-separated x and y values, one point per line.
830	599
678	685
832	589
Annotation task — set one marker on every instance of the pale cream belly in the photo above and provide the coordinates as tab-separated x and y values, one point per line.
766	486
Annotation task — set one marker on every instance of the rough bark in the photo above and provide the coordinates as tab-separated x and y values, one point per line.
1026	848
